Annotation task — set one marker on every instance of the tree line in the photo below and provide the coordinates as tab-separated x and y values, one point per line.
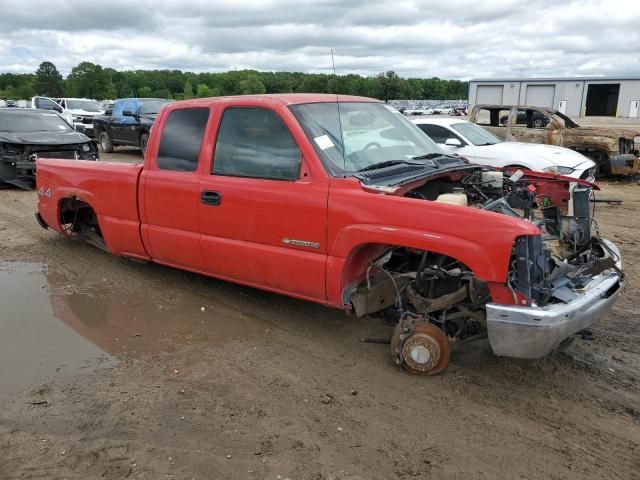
90	80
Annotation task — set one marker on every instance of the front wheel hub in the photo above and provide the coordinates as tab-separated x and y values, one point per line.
420	347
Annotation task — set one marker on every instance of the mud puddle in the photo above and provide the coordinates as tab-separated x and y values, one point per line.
49	326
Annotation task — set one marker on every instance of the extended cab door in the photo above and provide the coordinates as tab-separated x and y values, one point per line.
263	216
170	189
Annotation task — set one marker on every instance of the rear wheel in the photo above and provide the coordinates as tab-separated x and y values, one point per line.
106	145
144	139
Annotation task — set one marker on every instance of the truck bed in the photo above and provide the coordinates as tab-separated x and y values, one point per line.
111	189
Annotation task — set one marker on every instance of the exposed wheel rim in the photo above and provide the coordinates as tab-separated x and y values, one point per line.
426	352
103	142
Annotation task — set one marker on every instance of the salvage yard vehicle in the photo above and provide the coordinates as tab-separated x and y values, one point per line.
280	192
477	145
26	134
614	150
128	123
77	111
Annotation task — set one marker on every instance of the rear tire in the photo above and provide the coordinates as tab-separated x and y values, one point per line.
106	145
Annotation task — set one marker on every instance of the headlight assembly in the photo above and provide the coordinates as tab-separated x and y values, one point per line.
559	170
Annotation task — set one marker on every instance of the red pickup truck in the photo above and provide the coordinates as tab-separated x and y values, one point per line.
342	201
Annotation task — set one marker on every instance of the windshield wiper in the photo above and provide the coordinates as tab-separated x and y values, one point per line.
386	163
432	155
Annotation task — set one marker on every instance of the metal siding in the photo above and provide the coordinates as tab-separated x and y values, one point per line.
570	91
491	94
540	95
629	91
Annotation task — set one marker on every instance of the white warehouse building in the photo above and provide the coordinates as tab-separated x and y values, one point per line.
575	97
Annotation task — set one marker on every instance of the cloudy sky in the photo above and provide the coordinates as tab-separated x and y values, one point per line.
446	38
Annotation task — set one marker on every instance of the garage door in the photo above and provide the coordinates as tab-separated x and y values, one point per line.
489	94
540	95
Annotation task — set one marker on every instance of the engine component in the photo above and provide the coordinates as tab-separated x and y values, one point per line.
492	179
419	346
453	199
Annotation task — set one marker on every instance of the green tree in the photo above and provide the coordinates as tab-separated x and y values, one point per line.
90	80
187	91
203	91
390	86
9	93
144	92
251	85
48	80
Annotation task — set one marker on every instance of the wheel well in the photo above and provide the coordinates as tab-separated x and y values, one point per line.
360	259
600	157
397	283
79	218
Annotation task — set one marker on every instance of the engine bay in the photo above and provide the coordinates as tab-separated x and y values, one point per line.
411	287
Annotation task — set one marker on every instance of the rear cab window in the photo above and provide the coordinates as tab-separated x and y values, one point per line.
255	143
181	139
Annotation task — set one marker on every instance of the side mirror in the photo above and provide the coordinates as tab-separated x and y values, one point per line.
453	142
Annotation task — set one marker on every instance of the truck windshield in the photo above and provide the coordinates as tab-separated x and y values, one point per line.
358	135
32	122
150	107
86	105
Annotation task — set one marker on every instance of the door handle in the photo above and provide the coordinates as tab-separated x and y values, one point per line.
209	197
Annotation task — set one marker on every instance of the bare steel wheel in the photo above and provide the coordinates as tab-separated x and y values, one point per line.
422	351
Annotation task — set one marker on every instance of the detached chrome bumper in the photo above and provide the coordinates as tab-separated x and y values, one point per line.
533	332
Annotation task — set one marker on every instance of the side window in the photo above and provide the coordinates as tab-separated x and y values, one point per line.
492	117
254	142
130	105
181	139
439	134
532	119
118	108
46	104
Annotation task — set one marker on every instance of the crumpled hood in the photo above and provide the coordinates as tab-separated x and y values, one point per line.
44	138
557	155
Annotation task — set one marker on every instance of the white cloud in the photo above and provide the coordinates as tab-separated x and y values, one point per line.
422	38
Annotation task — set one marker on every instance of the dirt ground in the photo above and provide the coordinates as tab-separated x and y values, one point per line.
114	369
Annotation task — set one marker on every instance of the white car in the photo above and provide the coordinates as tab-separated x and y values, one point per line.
442	110
77	111
477	145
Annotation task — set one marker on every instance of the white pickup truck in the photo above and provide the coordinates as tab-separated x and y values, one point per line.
79	112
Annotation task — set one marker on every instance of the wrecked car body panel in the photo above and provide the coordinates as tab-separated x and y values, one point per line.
614	150
20	149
